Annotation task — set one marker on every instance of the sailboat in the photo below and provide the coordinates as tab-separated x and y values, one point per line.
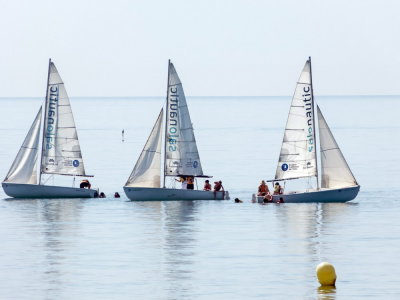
181	157
298	156
60	152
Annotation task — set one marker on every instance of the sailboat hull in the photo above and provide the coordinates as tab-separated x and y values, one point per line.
322	196
165	194
18	190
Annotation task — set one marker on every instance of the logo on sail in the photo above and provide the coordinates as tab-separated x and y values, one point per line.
308	105
285	167
75	163
173	132
195	164
51	116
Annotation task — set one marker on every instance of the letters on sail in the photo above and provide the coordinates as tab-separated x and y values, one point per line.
335	172
23	170
298	154
182	156
61	153
147	170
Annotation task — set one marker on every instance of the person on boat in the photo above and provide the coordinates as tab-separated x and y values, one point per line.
237	200
278	190
263	190
182	179
190	183
116	195
218	186
207	185
102	195
85	184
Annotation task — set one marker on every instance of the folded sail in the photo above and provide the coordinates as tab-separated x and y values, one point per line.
147	170
23	169
61	150
298	154
182	156
335	172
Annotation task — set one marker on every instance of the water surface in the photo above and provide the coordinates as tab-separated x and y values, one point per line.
115	249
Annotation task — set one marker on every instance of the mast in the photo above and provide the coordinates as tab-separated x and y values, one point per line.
166	120
45	114
313	113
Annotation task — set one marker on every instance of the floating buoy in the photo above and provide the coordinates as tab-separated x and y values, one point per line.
326	274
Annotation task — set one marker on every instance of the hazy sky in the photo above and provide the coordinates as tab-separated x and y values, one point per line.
231	47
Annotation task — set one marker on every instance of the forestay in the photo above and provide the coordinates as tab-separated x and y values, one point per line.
298	154
182	156
335	172
61	151
147	170
23	169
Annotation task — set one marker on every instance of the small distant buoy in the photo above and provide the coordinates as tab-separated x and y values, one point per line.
326	274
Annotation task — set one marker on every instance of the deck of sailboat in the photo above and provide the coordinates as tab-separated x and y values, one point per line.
322	195
170	194
20	190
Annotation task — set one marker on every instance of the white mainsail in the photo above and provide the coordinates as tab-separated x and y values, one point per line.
23	169
298	154
147	170
61	153
335	172
182	156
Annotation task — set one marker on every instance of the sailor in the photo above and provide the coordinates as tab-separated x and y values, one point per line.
85	184
218	186
116	195
263	190
190	183
278	190
207	185
184	182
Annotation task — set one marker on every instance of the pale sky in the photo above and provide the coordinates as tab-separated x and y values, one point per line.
219	48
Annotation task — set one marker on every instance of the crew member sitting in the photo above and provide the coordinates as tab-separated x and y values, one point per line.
207	186
85	184
278	190
218	186
190	183
263	190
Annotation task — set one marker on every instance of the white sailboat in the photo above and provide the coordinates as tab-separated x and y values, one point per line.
298	156
181	157
60	152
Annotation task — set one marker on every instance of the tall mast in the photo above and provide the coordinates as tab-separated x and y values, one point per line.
313	113
166	120
44	121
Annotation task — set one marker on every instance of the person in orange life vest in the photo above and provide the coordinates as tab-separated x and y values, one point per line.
190	183
207	186
263	190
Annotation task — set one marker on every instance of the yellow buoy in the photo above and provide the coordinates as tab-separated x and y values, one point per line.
326	274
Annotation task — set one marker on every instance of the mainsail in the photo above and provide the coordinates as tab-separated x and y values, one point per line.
23	169
335	172
298	154
147	170
181	154
61	153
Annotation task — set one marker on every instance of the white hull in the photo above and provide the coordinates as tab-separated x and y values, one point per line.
18	190
165	194
323	196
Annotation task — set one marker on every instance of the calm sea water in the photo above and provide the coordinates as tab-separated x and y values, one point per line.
116	249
